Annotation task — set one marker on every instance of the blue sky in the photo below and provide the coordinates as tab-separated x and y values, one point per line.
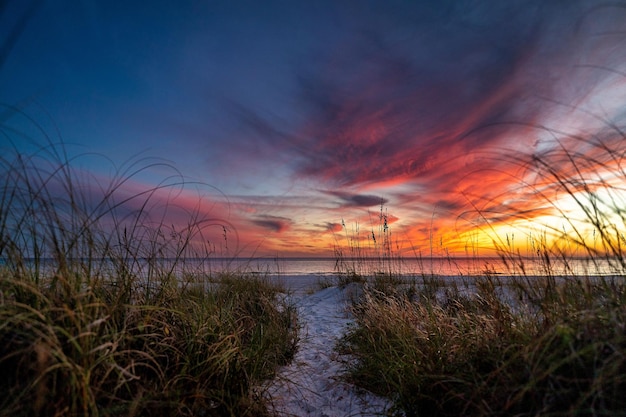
302	114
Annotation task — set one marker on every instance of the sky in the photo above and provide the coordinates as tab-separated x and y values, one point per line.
300	127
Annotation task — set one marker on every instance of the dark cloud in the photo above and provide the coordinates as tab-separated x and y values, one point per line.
358	200
273	223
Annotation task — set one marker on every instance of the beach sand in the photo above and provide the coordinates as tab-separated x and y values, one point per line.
310	385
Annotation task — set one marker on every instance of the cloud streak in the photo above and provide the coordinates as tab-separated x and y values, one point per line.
305	114
448	116
358	200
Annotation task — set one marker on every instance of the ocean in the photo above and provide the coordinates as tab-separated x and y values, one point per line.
321	267
411	266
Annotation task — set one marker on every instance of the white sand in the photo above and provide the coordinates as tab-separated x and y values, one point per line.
310	386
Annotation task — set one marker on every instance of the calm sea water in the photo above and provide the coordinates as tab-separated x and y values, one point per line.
319	267
302	274
412	266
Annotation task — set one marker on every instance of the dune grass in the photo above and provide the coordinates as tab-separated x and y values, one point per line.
508	347
549	344
102	313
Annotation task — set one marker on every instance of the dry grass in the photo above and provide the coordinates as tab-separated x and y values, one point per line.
561	352
102	313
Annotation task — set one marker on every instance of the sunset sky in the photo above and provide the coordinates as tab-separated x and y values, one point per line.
294	117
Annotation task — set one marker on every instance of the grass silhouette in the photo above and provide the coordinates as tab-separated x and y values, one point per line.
101	311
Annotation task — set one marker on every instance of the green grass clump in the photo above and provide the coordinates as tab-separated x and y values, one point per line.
106	307
560	352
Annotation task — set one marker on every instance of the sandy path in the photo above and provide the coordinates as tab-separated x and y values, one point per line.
309	385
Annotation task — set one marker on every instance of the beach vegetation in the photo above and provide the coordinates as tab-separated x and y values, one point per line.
523	341
103	314
494	346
